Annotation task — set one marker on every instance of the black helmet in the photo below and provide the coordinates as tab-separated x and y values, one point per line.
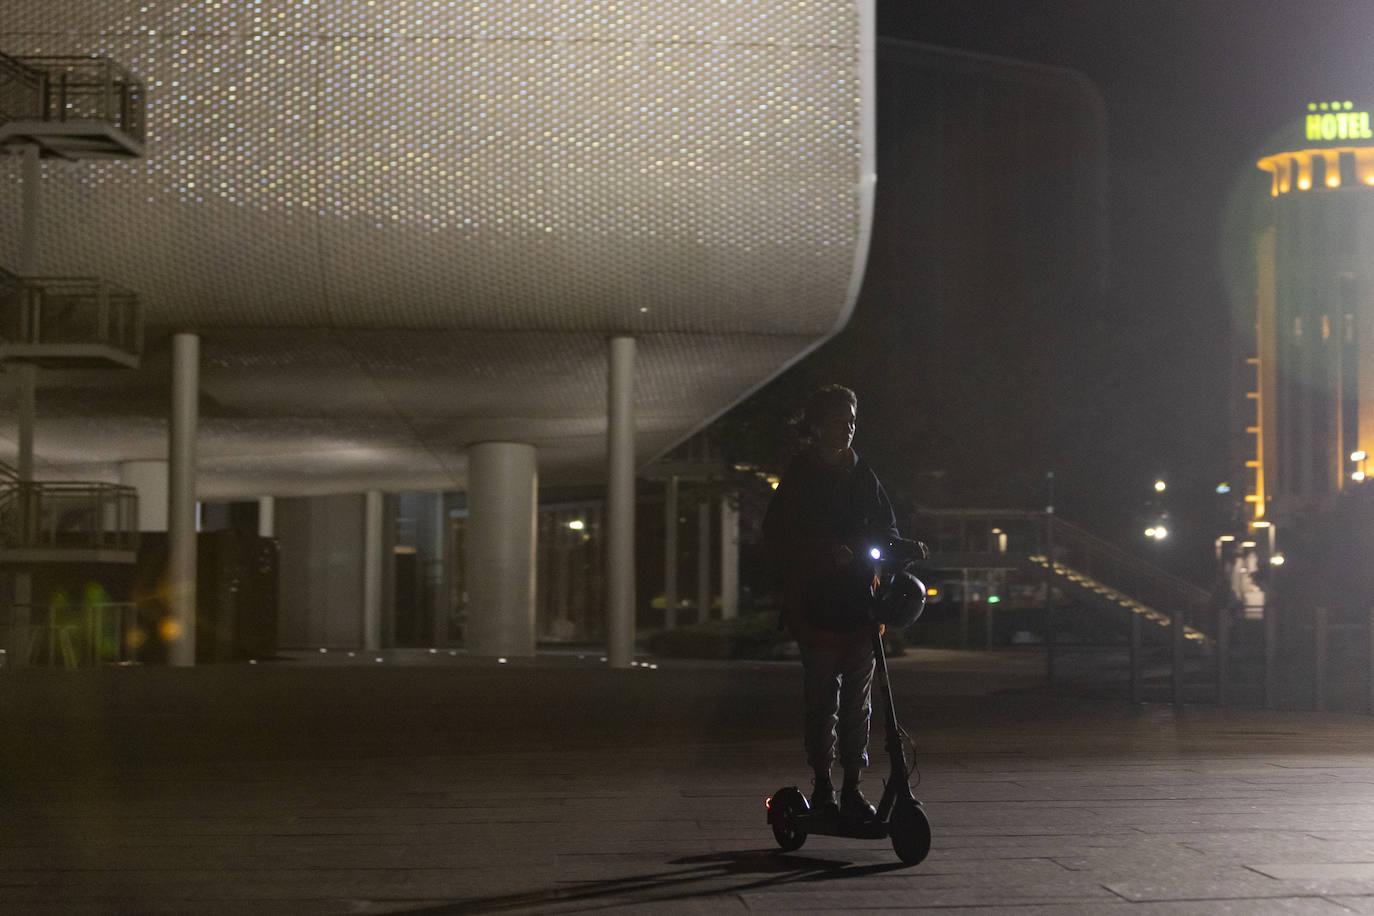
901	600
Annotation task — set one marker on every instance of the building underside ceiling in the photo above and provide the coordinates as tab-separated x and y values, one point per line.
403	230
304	412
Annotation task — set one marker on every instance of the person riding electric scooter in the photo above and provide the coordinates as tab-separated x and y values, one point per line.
830	504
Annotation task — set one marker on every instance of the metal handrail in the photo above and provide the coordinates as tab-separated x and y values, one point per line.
1011	537
69	516
69	310
84	88
21	90
70	636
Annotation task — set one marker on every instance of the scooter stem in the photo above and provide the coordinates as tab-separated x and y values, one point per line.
898	776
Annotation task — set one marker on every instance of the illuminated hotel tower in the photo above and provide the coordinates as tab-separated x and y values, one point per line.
1313	392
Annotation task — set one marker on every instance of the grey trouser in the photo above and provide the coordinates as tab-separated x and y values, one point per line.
838	684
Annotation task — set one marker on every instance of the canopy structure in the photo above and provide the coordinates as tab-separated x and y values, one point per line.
406	227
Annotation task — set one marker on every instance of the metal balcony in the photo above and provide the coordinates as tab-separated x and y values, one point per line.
69	323
71	107
43	523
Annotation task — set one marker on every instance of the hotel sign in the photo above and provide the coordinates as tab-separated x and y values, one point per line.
1327	121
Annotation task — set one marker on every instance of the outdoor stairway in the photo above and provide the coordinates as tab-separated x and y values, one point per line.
1086	568
1086	587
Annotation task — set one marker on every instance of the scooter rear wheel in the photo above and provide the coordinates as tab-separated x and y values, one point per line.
910	831
785	809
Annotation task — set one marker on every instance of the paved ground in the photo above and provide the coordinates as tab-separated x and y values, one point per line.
454	786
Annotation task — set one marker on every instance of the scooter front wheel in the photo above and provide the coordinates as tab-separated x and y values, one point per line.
785	810
910	831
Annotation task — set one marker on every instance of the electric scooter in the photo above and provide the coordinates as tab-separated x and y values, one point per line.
899	597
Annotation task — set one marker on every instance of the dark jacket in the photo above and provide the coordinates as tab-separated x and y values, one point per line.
814	511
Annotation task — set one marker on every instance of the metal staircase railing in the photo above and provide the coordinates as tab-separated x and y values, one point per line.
67	322
1091	569
57	516
71	106
67	517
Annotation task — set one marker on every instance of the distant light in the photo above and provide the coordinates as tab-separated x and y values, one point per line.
1359	455
1259	524
994	599
323	651
577	524
1227	537
1223	487
876	554
501	661
1357	476
1160	486
1276	559
1247	544
932	592
1149	532
773	484
377	659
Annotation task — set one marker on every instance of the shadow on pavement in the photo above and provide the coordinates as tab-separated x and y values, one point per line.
700	876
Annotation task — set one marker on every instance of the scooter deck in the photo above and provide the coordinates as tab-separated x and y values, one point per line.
835	825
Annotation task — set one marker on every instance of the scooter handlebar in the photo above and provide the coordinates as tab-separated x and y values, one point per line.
896	549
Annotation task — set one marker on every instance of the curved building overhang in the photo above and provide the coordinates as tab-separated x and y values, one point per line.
401	228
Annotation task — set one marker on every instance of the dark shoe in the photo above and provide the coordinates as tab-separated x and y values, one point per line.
823	799
853	804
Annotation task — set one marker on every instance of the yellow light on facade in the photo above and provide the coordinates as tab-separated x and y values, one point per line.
1276	559
1247	544
1259	524
1227	537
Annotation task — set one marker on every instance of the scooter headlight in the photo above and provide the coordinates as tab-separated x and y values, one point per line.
875	553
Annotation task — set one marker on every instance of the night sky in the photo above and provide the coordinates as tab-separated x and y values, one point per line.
1192	91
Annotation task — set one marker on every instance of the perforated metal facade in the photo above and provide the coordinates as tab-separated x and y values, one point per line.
427	215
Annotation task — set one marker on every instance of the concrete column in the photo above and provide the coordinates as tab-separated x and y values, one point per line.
503	497
181	500
620	504
729	558
436	569
267	517
26	379
373	538
149	478
703	560
670	554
